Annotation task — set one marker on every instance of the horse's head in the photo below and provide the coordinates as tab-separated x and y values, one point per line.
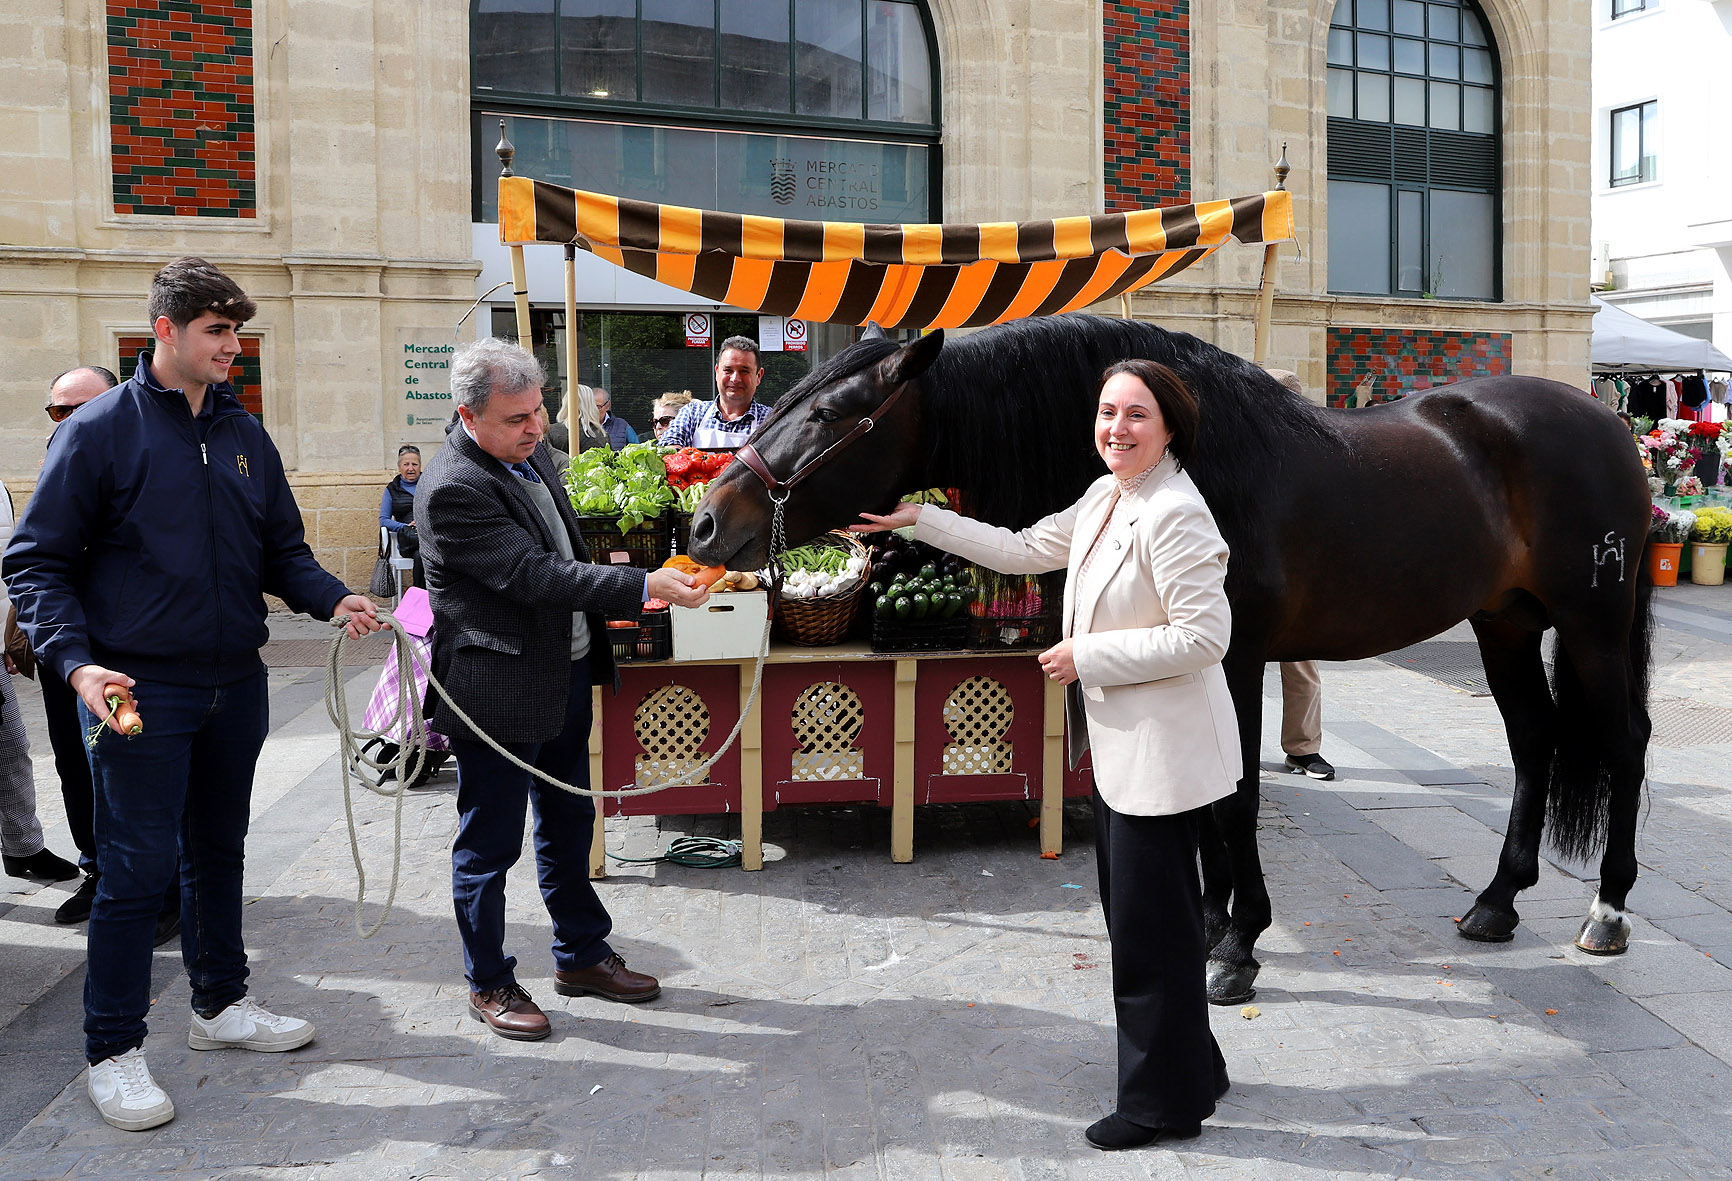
845	440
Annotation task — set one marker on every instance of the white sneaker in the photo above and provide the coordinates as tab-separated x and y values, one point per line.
126	1095
247	1026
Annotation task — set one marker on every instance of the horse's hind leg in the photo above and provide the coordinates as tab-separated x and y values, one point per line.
1602	690
1233	965
1517	677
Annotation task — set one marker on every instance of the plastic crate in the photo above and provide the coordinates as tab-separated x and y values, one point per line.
919	635
646	546
651	637
987	633
1036	630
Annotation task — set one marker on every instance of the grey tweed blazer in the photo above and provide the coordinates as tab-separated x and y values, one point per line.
503	597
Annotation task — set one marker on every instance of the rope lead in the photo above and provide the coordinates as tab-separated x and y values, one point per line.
406	766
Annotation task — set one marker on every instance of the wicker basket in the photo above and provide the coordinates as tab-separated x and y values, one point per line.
822	621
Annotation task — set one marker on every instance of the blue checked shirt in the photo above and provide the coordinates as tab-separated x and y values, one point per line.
696	419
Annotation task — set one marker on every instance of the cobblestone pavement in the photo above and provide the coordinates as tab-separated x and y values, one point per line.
839	1016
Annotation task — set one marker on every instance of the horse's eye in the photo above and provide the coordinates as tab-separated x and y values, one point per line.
825	414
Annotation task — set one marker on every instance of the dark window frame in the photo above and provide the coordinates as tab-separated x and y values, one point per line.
1623	8
715	118
1408	158
1647	166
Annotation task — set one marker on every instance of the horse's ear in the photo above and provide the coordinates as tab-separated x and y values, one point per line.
873	331
912	359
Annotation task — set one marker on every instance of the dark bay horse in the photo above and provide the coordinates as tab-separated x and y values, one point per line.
1513	502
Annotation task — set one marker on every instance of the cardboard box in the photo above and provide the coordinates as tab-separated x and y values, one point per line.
729	627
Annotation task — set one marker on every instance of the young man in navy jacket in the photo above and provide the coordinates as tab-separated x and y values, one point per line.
161	517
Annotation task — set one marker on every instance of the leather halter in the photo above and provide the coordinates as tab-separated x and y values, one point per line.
749	456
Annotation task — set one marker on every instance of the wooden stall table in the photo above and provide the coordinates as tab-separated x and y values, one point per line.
838	724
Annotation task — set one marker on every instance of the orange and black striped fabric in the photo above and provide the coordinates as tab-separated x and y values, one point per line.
898	276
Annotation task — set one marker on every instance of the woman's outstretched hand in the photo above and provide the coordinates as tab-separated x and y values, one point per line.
902	515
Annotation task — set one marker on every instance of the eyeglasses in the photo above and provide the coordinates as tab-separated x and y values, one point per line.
58	413
666	420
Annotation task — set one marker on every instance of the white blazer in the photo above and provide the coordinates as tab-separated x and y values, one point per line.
1148	627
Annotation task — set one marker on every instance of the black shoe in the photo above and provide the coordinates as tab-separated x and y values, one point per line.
167	927
1315	766
77	908
1115	1132
41	865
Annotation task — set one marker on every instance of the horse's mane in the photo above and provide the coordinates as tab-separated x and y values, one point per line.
1009	413
1010	410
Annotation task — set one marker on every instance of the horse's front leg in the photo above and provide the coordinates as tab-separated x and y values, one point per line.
1233	963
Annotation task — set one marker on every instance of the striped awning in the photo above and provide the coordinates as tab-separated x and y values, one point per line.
898	276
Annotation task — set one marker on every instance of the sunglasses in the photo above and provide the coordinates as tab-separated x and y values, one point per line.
668	420
59	413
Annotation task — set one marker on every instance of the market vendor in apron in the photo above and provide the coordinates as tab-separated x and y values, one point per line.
729	420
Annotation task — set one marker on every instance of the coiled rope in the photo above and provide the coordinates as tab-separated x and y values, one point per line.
411	755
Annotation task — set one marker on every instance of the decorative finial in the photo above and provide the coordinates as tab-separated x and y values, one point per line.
1282	168
504	151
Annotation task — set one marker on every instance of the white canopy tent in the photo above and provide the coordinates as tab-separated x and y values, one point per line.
1622	341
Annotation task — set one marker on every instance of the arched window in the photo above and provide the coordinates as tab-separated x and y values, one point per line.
823	109
1413	150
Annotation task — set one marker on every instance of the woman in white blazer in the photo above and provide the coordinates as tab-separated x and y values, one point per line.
1146	622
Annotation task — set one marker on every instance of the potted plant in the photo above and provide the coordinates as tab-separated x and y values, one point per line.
1708	539
1667	533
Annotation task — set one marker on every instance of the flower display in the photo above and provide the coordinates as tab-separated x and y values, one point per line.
1689	486
1712	526
1667	450
1672	527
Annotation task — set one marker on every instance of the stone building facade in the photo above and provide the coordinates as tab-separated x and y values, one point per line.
330	154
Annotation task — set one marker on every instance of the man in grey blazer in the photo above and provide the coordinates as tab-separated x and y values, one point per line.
519	639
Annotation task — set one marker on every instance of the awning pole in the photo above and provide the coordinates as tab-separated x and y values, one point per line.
1266	289
520	292
519	276
571	336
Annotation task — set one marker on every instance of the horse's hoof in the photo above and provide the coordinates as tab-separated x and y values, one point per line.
1230	984
1605	931
1485	924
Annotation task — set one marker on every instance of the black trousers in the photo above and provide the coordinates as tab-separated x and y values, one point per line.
71	763
1170	1068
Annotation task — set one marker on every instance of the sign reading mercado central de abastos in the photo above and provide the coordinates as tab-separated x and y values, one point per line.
420	373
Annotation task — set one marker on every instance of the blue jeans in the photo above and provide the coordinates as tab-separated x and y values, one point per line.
491	795
182	788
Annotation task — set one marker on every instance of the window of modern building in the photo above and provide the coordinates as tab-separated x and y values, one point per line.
1634	144
1627	7
818	109
1414	195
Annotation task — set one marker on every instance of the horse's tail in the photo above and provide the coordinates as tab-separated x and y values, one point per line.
1579	795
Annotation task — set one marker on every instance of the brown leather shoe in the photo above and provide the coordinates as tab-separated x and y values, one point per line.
510	1013
610	979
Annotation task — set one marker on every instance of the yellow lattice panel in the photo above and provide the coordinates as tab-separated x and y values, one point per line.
978	714
826	720
671	724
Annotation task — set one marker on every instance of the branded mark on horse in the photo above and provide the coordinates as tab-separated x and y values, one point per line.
1500	500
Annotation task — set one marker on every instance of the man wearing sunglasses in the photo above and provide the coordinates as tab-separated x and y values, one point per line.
74	388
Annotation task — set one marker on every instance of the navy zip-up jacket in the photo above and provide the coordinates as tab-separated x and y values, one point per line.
152	535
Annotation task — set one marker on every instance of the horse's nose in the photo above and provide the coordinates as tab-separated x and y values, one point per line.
704	527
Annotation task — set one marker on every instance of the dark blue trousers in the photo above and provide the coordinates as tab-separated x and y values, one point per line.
491	795
182	789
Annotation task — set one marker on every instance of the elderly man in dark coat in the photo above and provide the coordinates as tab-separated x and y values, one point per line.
519	639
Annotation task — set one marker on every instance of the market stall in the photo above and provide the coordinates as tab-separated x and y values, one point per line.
897	677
